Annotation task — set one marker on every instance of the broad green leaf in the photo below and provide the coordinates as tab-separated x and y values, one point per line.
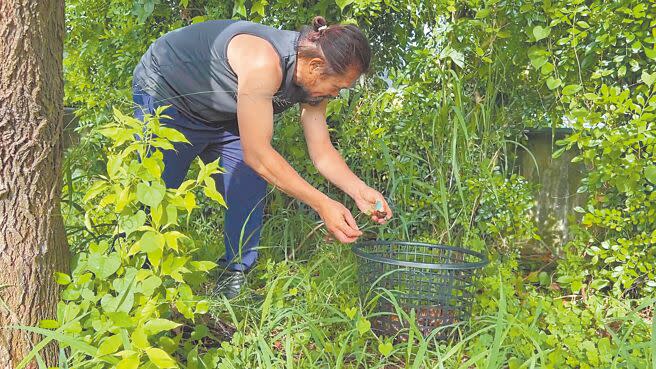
155	257
150	194
650	52
120	319
139	338
343	3
539	61
172	239
132	222
482	13
149	285
650	173
190	202
155	326
571	89
114	163
647	78
203	266
152	165
109	345
171	214
363	325
350	312
172	134
151	241
239	9
553	83
210	191
160	358
385	348
103	265
129	362
547	68
541	32
62	279
202	307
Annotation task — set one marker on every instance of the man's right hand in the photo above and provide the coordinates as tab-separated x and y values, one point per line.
339	221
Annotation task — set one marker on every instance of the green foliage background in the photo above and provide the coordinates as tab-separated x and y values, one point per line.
436	126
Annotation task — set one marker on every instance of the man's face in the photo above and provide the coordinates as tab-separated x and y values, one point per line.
320	86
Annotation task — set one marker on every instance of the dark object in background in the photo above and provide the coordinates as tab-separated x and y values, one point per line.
557	196
434	280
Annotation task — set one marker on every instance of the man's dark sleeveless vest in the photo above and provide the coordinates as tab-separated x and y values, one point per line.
188	68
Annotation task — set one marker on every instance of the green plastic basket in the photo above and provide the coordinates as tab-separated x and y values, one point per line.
436	281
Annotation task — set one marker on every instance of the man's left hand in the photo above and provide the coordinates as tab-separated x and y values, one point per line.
366	199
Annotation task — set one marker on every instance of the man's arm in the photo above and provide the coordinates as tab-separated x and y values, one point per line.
325	157
259	78
332	166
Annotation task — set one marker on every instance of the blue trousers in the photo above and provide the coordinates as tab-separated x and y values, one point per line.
242	188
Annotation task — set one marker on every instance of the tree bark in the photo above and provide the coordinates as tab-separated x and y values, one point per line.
32	239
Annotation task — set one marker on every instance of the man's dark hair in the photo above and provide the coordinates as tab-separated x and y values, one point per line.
342	46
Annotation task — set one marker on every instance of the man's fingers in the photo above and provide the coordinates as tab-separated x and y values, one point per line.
388	210
348	230
348	217
342	237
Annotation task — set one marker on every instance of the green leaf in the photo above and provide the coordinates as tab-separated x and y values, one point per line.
131	223
172	134
155	257
152	165
539	61
202	266
172	239
120	319
103	265
647	78
171	214
343	3
650	52
210	191
239	9
150	194
190	202
650	173
385	348
202	307
114	163
482	13
363	325
553	83
350	312
160	358
62	279
109	345
541	32
151	241
139	338
149	285
49	324
129	362
155	326
571	89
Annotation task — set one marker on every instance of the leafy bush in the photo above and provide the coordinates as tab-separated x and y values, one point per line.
129	302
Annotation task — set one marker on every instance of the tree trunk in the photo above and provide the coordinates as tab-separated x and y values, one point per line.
32	239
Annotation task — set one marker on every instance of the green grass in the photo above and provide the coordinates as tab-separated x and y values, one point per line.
304	322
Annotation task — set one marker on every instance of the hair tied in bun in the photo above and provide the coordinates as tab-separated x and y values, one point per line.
319	23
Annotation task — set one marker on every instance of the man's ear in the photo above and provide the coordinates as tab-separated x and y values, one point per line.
317	66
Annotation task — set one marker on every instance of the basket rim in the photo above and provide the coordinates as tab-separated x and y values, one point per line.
360	252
